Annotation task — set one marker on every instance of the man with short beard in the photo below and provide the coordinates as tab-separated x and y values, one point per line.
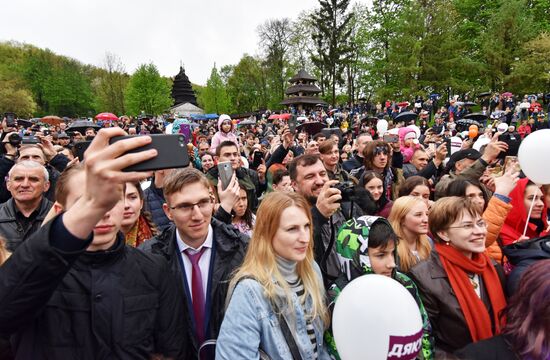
310	178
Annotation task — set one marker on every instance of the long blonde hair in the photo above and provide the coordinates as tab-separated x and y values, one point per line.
260	259
401	207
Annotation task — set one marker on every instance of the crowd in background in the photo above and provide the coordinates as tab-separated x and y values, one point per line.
100	263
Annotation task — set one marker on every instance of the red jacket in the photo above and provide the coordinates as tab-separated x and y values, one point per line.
514	224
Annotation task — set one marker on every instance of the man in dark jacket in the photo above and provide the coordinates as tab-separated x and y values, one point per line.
357	159
154	198
201	251
253	181
74	290
23	214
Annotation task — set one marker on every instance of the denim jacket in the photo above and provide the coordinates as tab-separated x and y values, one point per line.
250	324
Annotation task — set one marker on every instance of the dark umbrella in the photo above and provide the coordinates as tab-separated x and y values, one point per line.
311	128
82	125
469	103
464	124
406	116
476	117
483	94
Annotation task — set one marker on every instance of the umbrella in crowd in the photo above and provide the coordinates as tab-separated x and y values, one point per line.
279	116
51	120
464	124
476	116
403	104
469	103
82	125
311	128
406	116
246	122
106	116
507	94
483	94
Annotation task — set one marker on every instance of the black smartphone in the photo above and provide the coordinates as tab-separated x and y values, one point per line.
46	132
257	160
10	119
31	139
171	148
447	142
80	148
292	124
225	171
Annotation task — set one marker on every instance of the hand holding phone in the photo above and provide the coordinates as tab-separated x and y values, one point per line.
225	172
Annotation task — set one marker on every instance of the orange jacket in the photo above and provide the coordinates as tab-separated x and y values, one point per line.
494	215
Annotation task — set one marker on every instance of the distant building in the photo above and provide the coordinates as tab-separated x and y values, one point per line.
182	91
302	94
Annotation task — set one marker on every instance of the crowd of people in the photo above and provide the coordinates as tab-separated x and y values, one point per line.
100	263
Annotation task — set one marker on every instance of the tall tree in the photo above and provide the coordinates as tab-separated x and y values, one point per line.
111	84
275	35
332	25
213	98
247	86
148	91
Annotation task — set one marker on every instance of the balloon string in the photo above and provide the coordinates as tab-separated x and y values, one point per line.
529	214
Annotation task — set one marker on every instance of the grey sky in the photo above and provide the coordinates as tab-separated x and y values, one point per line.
164	32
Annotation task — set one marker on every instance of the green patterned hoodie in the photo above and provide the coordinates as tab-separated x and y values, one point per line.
352	250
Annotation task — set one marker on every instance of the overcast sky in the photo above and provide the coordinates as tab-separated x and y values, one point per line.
199	33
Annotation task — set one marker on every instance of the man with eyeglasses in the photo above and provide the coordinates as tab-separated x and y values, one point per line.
202	251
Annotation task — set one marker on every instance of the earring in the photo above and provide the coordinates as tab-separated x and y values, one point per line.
447	243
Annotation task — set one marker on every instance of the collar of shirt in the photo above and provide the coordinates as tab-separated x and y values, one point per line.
207	243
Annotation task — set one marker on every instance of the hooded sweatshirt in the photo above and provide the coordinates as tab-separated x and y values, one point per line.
514	224
352	249
221	136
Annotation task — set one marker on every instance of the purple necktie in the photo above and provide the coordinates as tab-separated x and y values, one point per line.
197	292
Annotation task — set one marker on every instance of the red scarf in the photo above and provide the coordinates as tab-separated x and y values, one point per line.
457	266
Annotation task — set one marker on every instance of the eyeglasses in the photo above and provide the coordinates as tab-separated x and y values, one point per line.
381	150
470	226
187	208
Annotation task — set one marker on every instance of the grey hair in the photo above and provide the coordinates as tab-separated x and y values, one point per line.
29	164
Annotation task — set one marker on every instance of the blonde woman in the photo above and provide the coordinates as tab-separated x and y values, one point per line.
409	219
278	286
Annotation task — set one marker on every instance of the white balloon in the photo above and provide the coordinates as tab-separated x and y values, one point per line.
393	131
532	155
376	318
329	121
382	126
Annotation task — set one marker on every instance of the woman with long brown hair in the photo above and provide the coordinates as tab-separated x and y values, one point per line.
278	286
137	224
409	220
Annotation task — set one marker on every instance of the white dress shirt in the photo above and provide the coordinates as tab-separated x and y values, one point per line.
204	262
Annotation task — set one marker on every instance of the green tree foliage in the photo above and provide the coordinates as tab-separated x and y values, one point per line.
247	85
148	91
275	35
213	97
109	85
531	72
331	38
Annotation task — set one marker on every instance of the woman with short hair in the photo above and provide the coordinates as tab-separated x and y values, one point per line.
459	284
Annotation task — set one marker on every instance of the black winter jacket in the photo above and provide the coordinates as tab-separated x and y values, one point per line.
14	232
229	247
154	198
115	304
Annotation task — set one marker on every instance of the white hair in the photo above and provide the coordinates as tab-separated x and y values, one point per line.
29	164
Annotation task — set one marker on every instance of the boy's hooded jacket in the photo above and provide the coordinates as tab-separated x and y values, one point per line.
352	249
